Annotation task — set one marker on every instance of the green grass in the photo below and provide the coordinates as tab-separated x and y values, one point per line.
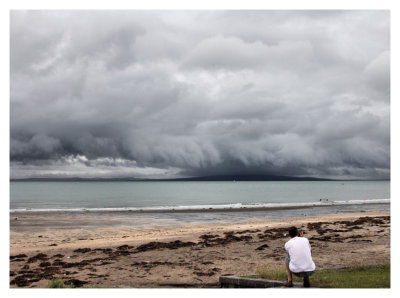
367	276
57	283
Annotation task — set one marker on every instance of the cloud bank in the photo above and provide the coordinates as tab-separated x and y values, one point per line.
186	93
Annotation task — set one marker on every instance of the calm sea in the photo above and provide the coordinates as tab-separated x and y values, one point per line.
167	196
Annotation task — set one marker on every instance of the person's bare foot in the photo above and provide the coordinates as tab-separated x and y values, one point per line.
288	284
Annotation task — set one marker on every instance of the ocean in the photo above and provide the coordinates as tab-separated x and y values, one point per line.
145	204
169	196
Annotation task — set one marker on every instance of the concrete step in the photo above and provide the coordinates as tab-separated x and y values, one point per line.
232	281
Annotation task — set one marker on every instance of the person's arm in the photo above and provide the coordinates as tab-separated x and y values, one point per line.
287	247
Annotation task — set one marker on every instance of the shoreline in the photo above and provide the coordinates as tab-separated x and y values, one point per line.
196	210
54	221
192	254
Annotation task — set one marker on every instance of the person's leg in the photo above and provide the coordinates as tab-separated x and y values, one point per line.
306	281
289	273
306	277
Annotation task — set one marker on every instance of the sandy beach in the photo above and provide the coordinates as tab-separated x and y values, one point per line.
96	250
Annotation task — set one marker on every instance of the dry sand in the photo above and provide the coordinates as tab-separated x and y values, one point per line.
43	246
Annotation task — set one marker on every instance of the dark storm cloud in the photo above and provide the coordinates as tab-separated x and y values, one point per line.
164	93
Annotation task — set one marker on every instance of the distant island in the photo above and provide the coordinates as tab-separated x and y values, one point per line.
201	178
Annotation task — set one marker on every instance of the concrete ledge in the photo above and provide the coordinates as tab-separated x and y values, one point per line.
231	281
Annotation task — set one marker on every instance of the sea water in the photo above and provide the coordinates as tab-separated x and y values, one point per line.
168	196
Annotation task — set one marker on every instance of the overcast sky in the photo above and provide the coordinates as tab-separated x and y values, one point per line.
188	93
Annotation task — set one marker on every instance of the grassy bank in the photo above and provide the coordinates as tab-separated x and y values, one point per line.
60	283
367	276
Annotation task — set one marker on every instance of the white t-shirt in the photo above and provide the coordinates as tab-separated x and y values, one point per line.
299	251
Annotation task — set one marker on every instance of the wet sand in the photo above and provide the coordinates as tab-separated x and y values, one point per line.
98	250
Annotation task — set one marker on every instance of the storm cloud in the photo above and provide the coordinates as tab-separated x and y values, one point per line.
187	93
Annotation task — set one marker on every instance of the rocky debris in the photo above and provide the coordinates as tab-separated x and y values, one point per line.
80	264
48	272
59	263
336	231
20	256
104	263
91	275
124	247
338	238
160	245
248	231
75	282
327	239
207	237
273	234
212	240
262	247
373	221
38	257
27	277
82	250
122	253
104	250
210	272
316	225
18	260
350	225
45	264
76	264
149	265
21	281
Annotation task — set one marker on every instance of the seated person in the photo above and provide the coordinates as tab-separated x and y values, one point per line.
298	260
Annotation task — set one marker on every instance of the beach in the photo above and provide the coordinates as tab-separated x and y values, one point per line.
104	250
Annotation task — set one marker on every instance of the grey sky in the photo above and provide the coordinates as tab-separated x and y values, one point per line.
178	93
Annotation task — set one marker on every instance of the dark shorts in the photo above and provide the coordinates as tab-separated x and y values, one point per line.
303	274
299	274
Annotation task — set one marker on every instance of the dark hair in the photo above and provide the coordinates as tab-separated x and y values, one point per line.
293	232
